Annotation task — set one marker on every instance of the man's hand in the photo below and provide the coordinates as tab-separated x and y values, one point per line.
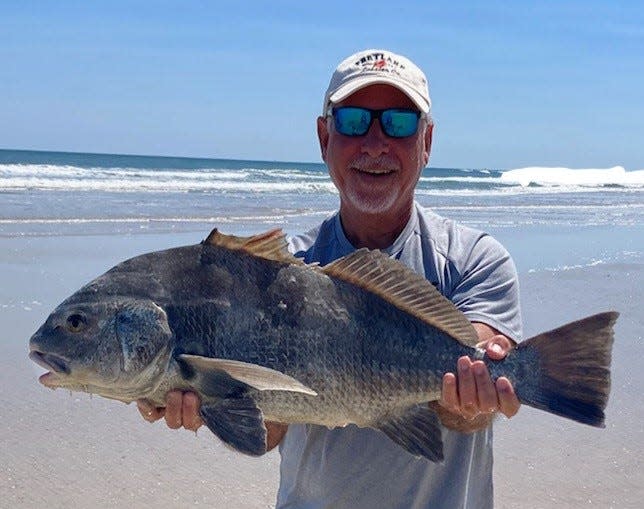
470	397
182	409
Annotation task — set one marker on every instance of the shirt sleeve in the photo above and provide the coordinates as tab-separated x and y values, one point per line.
486	287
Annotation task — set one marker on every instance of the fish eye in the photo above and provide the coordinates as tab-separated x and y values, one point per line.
75	322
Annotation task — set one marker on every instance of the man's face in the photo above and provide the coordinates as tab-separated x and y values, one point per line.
375	174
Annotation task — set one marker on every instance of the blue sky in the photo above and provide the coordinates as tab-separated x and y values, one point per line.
551	83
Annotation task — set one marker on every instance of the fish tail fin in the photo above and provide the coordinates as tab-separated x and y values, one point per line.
566	371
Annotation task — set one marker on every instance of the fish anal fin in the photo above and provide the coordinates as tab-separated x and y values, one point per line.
224	377
238	422
270	245
417	430
374	271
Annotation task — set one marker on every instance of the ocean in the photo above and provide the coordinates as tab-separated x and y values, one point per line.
576	236
549	218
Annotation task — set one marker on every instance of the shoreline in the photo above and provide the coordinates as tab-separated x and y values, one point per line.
61	449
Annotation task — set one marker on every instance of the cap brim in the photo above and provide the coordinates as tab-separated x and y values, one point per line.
356	84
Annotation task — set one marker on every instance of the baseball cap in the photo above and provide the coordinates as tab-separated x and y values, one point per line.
378	66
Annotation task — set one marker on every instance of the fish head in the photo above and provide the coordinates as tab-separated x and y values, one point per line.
117	347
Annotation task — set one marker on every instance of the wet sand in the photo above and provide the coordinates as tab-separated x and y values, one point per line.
70	450
543	461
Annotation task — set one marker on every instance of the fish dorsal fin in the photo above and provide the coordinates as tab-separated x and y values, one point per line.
270	245
397	284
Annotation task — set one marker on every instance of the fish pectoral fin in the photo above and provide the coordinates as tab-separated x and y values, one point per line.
230	376
238	422
417	430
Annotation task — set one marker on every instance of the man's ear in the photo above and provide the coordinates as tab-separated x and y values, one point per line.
323	136
429	130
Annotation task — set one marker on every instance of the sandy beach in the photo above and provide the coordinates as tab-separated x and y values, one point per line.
542	461
132	127
64	450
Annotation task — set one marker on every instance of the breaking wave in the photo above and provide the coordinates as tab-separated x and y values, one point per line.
307	179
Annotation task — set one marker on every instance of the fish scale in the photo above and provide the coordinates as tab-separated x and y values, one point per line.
260	335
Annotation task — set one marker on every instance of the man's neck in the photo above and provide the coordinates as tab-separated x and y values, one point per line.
374	231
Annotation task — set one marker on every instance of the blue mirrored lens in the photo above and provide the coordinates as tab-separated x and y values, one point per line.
352	121
399	123
396	123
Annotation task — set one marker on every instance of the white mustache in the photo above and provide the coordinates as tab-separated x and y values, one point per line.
380	163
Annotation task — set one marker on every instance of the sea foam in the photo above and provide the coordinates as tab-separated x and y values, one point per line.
554	176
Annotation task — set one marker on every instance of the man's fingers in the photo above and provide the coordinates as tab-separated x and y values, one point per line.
182	409
509	404
473	392
190	410
449	394
467	388
485	389
173	409
148	411
497	347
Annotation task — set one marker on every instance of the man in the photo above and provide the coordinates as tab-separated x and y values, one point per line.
375	136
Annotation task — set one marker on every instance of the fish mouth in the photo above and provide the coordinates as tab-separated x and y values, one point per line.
56	364
60	375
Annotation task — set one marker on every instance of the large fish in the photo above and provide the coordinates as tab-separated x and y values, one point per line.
260	335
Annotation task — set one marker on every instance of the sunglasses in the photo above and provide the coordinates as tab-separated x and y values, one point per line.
394	122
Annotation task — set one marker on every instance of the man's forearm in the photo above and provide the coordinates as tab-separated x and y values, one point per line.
275	431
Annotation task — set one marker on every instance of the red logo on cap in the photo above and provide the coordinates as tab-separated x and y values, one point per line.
380	64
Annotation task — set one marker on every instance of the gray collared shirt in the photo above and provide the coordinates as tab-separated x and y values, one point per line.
358	468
